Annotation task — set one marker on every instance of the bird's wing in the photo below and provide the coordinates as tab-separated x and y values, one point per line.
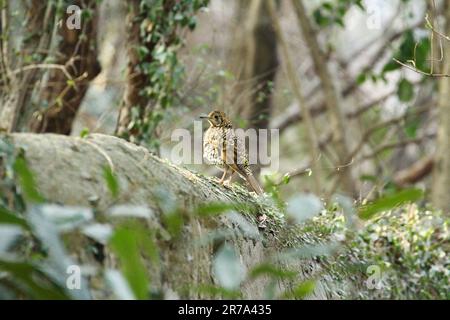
237	160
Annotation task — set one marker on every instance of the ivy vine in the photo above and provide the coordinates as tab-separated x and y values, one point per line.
160	26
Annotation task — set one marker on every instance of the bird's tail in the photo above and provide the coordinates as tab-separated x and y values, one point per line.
254	184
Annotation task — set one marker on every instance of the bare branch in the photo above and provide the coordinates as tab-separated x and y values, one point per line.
44	66
416	172
398	144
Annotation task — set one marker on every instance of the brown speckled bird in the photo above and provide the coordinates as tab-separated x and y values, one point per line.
222	148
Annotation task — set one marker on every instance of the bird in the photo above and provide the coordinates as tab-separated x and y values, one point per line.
224	149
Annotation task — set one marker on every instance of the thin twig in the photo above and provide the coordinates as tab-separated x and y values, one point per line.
415	69
44	66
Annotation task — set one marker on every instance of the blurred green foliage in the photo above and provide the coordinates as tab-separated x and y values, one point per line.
333	12
111	181
410	245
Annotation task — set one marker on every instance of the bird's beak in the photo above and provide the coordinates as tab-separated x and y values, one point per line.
203	116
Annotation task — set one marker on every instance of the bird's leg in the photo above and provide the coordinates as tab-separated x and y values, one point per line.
228	181
223	176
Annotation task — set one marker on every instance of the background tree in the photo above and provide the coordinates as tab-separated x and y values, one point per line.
255	61
257	44
54	62
153	71
331	96
441	175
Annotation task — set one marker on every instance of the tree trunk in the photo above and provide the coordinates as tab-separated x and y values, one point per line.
441	170
332	97
259	49
44	97
15	92
77	51
136	79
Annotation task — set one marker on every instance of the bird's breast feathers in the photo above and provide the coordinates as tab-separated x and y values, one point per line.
218	139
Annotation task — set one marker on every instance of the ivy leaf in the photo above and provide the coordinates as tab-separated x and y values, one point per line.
320	19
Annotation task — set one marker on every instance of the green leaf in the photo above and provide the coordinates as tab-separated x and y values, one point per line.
66	218
411	127
422	52
249	229
320	19
303	207
405	90
328	6
56	256
390	66
173	222
360	5
99	232
111	181
125	243
406	51
8	217
142	52
272	271
215	291
348	208
213	209
26	180
368	177
84	133
308	251
389	202
228	268
361	78
118	285
302	291
30	280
